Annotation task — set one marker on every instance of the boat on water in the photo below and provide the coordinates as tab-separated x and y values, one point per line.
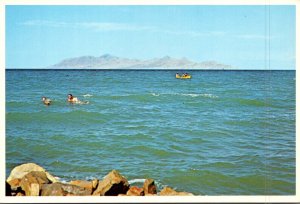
184	76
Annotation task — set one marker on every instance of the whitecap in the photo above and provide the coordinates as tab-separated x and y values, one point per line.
61	180
192	95
87	95
90	178
56	177
209	95
154	94
136	181
158	184
206	95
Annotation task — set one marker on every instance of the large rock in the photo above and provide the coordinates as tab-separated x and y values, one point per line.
135	191
60	189
95	183
21	170
31	183
14	184
112	185
167	191
13	188
149	187
53	189
83	184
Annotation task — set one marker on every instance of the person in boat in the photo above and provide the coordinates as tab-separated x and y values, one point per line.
46	100
73	99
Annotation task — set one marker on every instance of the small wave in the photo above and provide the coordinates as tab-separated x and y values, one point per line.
87	95
201	95
209	95
158	183
192	95
136	181
206	95
155	94
90	178
61	180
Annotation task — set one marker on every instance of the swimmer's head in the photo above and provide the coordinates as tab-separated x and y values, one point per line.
43	98
70	96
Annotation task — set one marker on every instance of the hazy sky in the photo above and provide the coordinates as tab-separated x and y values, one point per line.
241	36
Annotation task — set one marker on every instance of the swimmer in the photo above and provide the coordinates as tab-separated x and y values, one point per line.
73	99
46	101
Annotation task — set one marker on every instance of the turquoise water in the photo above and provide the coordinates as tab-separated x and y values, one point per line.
220	133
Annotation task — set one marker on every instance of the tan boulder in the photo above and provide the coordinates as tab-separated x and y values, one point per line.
60	189
149	187
112	185
95	183
167	191
14	184
83	184
53	189
19	171
135	191
33	190
31	183
13	188
76	190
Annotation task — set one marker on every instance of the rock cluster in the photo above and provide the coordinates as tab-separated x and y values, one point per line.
32	180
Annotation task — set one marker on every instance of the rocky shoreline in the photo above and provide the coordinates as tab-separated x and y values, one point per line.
33	180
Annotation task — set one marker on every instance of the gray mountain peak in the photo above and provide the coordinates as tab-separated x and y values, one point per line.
108	61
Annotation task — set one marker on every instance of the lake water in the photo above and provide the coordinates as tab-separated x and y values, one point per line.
219	133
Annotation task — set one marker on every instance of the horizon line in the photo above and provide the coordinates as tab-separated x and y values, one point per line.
143	69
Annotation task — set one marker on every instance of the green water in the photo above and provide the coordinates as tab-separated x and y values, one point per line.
220	133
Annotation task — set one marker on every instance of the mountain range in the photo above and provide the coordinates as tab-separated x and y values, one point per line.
108	61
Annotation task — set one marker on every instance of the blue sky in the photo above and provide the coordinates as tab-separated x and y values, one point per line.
246	37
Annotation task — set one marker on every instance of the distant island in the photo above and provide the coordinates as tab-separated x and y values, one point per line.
108	61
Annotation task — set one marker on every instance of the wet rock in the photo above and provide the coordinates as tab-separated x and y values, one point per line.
31	183
135	191
60	189
112	185
149	187
167	191
20	171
